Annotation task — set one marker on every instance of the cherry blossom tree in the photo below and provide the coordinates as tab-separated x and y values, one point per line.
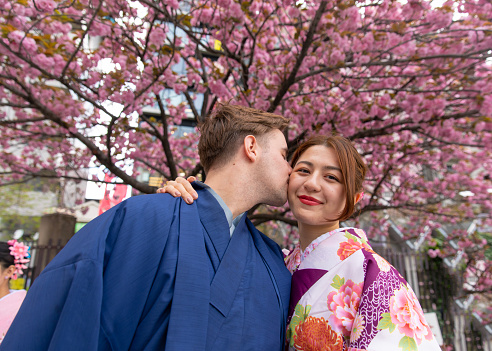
409	82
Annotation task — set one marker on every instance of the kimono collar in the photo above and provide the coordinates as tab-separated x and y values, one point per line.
232	222
296	256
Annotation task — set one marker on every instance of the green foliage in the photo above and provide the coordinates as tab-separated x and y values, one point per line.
488	246
9	223
15	201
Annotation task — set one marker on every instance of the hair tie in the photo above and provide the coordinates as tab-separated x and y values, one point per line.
20	251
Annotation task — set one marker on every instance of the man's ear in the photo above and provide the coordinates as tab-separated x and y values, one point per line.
251	147
358	197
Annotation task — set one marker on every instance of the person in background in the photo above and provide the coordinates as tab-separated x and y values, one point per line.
154	273
344	295
13	259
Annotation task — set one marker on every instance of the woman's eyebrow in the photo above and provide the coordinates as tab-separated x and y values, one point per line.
329	168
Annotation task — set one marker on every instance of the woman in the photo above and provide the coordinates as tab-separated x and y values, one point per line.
344	295
13	257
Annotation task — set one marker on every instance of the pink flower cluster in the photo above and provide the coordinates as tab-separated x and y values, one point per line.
434	253
20	252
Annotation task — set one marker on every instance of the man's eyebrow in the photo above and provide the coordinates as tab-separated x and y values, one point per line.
328	168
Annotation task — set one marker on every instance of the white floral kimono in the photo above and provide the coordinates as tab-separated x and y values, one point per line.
346	297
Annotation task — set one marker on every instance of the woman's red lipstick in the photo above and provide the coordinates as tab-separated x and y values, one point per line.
308	200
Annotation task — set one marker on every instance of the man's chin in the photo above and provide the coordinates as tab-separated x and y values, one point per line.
277	202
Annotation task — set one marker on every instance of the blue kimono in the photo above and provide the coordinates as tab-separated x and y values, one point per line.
154	273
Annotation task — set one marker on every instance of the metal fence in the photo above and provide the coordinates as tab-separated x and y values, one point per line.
437	290
41	255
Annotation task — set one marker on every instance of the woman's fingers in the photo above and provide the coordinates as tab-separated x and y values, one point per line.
170	188
179	187
161	190
186	183
185	192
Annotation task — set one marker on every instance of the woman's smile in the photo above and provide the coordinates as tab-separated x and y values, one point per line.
308	200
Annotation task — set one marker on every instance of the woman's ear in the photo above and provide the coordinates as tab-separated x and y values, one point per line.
9	272
358	197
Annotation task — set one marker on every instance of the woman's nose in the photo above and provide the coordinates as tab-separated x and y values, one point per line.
312	183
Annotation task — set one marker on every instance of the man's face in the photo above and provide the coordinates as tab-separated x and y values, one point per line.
273	168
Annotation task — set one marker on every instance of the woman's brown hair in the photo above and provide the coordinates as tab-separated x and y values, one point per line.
351	163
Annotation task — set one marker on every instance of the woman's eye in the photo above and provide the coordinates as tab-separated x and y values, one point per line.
332	177
302	170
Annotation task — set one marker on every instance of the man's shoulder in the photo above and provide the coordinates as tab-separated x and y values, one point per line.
161	198
148	201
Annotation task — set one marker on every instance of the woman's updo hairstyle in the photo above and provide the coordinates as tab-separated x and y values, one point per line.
351	163
6	259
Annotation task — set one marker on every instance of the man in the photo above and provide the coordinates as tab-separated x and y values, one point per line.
154	273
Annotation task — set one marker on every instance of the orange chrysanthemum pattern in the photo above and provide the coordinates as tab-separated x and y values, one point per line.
316	334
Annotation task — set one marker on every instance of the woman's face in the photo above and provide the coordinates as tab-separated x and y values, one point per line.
4	272
316	192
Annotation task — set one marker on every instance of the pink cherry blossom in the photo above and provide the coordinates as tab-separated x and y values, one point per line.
410	86
45	5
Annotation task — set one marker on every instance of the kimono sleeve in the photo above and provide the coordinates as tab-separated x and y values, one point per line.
389	316
61	309
93	293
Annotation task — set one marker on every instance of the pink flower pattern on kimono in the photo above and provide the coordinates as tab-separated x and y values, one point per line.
407	315
357	328
383	265
293	259
344	304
